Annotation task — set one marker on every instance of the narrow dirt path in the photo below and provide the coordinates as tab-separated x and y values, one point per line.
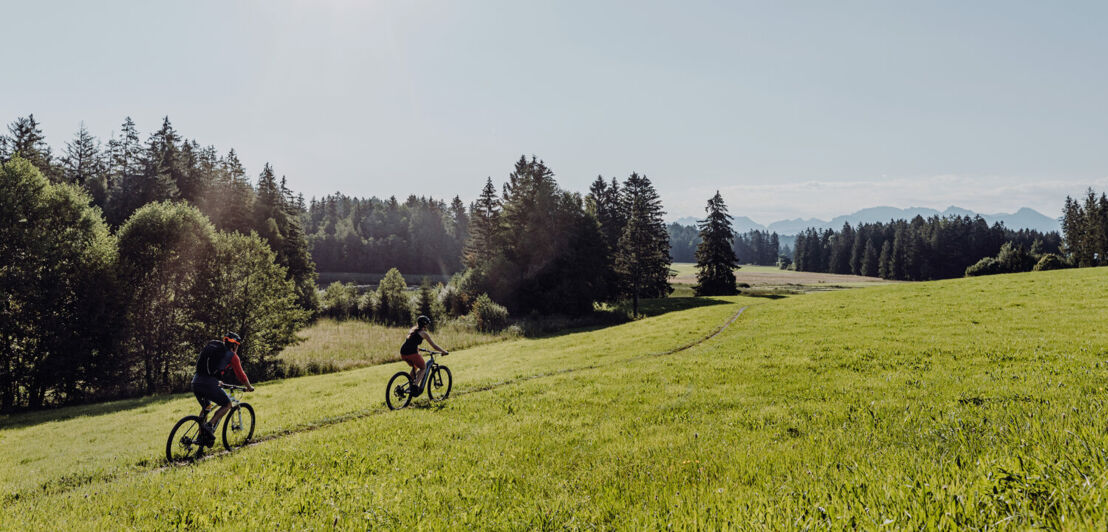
352	416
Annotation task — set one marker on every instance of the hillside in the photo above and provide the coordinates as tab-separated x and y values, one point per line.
966	403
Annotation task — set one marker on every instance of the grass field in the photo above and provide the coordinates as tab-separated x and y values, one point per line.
763	277
970	403
331	345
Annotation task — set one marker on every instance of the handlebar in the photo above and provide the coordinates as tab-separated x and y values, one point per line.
232	386
433	352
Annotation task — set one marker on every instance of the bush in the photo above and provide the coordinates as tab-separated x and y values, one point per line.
985	266
487	315
393	304
1014	259
1050	261
339	301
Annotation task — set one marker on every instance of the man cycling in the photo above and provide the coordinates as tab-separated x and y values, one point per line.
214	359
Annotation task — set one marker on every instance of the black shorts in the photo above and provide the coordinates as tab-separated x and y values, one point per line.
209	392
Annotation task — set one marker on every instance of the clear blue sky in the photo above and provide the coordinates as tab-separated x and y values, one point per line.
804	109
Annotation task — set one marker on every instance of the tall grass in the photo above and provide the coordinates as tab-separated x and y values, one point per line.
331	345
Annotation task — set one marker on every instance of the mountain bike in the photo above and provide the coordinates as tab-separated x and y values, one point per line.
436	380
185	441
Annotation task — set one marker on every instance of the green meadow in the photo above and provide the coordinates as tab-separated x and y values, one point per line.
970	403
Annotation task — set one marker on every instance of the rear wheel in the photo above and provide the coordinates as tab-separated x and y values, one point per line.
399	392
239	427
184	440
438	385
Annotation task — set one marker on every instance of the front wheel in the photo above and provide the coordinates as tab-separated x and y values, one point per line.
399	391
184	441
239	427
438	386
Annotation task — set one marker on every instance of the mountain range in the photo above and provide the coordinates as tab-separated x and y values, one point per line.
1025	218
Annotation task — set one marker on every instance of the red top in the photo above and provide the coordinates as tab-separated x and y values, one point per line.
237	366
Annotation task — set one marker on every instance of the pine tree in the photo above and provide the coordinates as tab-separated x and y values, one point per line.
26	140
484	227
715	257
642	259
124	173
83	165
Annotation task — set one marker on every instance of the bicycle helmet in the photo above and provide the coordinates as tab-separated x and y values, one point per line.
423	321
232	338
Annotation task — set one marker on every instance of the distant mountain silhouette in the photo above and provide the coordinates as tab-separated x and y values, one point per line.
1025	218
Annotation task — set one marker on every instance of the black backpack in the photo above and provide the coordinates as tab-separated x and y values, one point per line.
214	358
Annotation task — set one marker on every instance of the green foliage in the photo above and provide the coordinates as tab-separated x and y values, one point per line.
487	315
546	252
715	258
393	303
57	277
642	258
918	249
985	266
251	294
1011	259
349	234
340	301
164	249
1049	261
425	303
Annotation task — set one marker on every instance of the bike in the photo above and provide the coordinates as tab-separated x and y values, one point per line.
184	441
436	380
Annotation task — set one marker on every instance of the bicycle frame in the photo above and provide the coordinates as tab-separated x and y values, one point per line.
231	390
431	365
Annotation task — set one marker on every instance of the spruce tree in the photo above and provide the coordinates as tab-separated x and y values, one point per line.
484	227
642	259
124	174
83	165
715	257
27	141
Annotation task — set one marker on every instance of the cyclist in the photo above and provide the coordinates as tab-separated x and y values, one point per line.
214	360
409	352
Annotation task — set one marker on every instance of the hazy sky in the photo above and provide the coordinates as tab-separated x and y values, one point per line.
790	108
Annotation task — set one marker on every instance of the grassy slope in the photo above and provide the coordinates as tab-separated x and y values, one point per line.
56	450
331	345
974	402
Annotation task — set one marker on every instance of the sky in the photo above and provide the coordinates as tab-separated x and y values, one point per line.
789	109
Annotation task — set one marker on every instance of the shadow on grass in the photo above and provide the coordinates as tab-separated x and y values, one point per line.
27	419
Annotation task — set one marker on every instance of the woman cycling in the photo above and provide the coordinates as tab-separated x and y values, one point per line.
409	352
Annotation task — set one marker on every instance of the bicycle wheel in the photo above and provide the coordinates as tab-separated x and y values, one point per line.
184	440
398	394
239	427
439	383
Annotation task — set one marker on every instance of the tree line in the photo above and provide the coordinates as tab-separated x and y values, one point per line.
127	173
753	247
421	235
91	314
916	250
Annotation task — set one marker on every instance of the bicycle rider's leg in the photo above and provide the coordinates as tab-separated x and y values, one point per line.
210	392
418	365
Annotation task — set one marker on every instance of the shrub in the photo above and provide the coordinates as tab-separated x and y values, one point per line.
487	315
1050	261
339	301
1014	259
985	266
393	304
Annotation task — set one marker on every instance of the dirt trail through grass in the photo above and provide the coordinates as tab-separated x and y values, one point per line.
318	424
330	393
